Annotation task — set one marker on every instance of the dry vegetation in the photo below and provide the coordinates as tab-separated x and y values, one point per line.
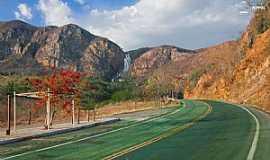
237	71
247	79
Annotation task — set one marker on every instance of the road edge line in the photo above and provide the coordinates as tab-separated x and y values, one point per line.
253	147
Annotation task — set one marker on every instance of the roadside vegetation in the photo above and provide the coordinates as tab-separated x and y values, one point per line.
88	92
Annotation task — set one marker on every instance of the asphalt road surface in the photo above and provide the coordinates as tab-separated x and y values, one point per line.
227	133
206	130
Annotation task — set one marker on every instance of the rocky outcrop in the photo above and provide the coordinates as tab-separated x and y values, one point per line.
134	54
252	75
68	46
157	57
248	80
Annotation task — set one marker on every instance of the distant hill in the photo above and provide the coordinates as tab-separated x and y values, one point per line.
147	60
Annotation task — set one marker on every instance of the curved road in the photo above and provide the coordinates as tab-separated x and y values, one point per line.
227	133
206	130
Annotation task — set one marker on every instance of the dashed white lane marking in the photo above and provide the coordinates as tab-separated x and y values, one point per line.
253	147
86	138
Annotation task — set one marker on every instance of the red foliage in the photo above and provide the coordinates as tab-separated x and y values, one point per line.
62	85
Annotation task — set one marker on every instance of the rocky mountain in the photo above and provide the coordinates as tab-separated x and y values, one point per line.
184	71
147	60
134	54
249	80
237	71
26	48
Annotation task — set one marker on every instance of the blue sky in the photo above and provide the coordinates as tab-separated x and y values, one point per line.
138	23
8	7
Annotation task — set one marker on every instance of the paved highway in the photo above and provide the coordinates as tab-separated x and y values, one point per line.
227	133
206	130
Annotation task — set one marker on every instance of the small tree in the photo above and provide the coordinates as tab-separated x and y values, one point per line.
11	86
94	92
62	84
88	103
17	86
125	89
157	87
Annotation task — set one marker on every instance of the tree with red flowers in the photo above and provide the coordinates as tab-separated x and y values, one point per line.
62	86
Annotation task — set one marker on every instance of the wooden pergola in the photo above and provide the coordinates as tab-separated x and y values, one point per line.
33	95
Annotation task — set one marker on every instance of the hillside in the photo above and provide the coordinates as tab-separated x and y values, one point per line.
184	71
26	49
148	60
237	71
249	81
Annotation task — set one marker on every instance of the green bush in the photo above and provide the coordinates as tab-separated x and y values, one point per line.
98	92
11	86
121	95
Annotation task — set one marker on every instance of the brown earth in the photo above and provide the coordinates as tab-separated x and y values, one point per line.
64	117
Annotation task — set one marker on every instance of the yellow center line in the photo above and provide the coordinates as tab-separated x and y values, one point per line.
162	136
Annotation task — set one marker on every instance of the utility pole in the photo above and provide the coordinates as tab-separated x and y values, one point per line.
9	115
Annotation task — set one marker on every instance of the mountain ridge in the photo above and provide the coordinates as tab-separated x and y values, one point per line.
63	47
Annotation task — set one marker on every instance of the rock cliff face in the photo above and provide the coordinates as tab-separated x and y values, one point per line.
154	58
68	46
249	80
237	71
192	72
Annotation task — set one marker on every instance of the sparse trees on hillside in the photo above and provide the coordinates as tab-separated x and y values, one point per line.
157	87
97	92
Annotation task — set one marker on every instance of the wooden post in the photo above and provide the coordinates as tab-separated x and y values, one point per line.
48	109
14	109
88	116
73	112
78	114
9	115
94	114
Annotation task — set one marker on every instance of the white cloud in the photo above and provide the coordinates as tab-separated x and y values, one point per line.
81	2
185	23
24	12
55	12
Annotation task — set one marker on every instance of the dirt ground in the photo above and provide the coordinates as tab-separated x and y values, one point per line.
64	117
